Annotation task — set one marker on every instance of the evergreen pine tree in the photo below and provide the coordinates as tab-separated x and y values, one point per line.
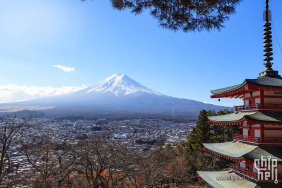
183	15
199	135
204	133
224	133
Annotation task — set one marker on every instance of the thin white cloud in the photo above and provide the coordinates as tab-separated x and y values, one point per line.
209	103
14	93
219	104
64	68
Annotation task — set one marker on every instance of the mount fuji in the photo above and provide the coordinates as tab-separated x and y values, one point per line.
118	95
119	85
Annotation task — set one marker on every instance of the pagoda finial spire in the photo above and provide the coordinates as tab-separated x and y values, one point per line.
268	44
267	38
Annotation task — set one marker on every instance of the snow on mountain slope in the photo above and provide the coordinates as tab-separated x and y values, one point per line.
119	84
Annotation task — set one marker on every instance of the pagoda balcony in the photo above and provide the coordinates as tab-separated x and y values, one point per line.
243	171
235	167
257	140
258	107
247	139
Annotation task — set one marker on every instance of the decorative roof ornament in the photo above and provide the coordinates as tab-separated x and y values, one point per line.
268	44
267	36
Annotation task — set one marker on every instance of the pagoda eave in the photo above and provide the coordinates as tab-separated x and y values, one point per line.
226	179
255	117
237	153
226	123
223	156
247	86
238	93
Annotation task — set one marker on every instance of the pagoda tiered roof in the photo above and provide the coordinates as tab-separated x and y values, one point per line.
264	82
275	152
261	121
234	150
228	179
238	118
238	150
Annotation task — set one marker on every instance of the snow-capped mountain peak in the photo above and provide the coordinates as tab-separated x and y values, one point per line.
120	84
118	96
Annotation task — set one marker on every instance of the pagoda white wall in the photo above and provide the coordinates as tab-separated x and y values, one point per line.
257	100
245	132
256	125
247	95
256	93
254	97
257	133
242	164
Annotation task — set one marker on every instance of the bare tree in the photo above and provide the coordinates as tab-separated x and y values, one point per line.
10	129
52	164
106	164
153	167
177	172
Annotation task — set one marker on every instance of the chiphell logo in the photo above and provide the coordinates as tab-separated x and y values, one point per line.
266	168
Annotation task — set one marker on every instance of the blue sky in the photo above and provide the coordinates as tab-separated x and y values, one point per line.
98	41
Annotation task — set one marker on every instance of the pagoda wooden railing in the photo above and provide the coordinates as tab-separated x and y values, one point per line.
259	106
248	139
246	172
246	107
243	171
257	140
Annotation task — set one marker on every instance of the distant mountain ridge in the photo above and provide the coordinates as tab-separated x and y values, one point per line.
117	95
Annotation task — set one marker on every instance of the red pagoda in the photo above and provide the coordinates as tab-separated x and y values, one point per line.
257	152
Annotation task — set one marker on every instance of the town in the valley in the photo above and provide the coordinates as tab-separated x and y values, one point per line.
136	134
